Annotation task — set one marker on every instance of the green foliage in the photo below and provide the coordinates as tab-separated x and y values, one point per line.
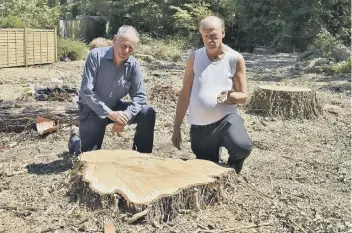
11	21
285	25
186	19
188	16
165	50
325	43
28	13
291	24
331	47
73	49
342	67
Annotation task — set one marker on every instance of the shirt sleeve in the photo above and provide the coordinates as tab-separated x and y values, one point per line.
87	93
137	93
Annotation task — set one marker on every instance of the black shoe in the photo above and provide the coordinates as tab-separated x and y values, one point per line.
236	164
74	143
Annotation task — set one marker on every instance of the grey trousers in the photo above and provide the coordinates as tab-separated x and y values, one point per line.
228	132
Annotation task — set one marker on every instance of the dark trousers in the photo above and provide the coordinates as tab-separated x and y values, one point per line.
92	128
228	132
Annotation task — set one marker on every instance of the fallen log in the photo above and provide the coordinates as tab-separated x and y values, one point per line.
285	101
19	116
146	186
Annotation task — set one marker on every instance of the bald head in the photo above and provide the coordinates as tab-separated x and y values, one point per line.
212	22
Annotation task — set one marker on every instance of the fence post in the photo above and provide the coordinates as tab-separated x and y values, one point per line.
55	39
25	47
8	45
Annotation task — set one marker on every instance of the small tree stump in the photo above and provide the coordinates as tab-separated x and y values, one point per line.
285	101
147	186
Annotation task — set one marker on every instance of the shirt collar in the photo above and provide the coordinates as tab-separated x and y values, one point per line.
110	55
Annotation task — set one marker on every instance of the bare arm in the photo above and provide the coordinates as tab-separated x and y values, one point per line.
239	95
185	94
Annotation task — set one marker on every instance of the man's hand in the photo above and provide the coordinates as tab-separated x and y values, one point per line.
118	129
119	117
223	97
176	138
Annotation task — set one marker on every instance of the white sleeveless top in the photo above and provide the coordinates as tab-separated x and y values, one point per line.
210	79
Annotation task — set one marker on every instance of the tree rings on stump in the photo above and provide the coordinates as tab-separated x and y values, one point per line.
145	185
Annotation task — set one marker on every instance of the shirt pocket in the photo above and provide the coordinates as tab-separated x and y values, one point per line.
125	86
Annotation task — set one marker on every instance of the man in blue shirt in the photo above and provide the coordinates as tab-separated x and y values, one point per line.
110	73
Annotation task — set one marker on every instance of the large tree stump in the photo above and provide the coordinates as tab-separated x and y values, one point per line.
285	101
145	185
19	116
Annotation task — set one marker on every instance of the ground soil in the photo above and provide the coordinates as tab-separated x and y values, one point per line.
297	179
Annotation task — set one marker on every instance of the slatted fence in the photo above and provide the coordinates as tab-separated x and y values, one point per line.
24	47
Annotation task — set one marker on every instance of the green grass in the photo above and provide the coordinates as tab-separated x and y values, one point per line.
73	49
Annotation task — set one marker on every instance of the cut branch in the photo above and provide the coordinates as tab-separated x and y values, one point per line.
21	116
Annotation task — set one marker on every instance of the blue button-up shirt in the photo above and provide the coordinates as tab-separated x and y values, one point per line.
104	84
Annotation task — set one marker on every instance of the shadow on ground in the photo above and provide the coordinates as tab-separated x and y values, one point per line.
57	166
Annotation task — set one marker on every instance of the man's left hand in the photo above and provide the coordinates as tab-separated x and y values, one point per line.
223	97
118	116
118	129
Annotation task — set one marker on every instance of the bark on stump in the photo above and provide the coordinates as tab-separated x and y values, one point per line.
285	101
146	186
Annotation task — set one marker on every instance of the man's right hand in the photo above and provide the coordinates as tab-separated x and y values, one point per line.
176	138
119	117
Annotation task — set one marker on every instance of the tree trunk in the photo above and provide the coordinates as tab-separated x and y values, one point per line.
19	116
284	101
147	186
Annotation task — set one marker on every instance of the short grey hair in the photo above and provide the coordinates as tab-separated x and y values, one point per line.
127	28
204	23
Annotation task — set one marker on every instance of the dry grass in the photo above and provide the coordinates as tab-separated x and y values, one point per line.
99	42
166	50
298	175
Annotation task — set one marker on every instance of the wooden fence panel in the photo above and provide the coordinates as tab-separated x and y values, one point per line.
23	47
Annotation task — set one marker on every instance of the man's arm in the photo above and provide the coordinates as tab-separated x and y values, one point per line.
239	95
137	93
185	94
88	95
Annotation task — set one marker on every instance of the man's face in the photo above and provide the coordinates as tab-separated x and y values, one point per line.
124	45
212	37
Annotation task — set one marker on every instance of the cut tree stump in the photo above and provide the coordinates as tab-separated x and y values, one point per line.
147	186
285	101
19	116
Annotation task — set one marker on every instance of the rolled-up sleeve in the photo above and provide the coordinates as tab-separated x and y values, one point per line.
137	92
87	93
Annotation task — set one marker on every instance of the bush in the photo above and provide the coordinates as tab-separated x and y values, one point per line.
331	47
99	42
11	22
186	20
72	49
342	67
168	50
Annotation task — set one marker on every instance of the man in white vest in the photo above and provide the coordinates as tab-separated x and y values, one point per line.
214	84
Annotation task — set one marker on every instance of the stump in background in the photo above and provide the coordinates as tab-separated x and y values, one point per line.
146	185
285	101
